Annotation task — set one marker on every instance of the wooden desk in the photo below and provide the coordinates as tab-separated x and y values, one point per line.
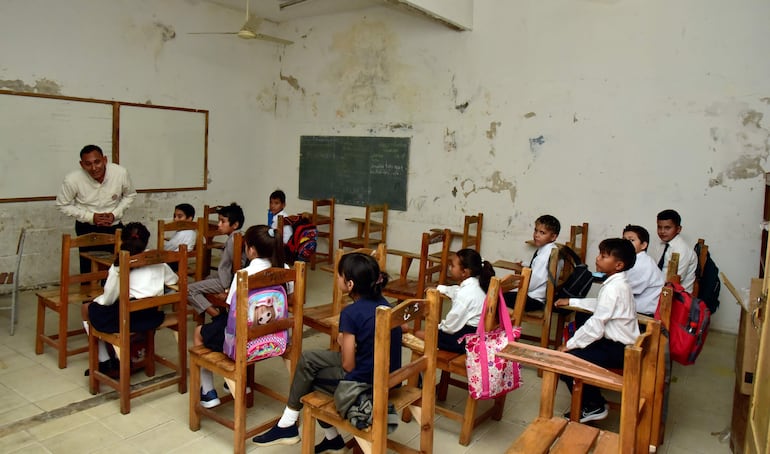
407	258
374	226
508	265
102	259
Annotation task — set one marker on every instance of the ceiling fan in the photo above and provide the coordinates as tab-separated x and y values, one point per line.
249	30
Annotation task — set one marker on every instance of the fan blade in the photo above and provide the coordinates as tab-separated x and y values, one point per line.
212	33
274	39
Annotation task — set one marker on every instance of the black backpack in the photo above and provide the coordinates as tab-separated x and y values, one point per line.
578	283
709	284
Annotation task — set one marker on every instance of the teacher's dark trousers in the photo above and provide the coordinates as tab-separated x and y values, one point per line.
81	228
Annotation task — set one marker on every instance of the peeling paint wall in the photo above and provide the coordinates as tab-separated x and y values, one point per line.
597	111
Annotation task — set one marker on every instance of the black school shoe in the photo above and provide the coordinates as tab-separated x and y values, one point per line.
110	368
334	446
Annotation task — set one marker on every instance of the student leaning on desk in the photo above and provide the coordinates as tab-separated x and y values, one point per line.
603	337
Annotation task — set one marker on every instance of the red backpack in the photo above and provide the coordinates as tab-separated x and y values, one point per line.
302	244
690	318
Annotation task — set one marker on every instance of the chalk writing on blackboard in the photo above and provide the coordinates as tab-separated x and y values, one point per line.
355	170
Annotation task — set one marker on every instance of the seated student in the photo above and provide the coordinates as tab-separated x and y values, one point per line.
262	250
230	221
278	208
603	338
143	282
645	279
182	212
360	276
544	236
669	229
463	318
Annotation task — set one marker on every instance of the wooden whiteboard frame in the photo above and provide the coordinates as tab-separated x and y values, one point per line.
35	160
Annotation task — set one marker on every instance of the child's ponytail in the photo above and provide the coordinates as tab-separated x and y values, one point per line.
485	276
267	246
133	238
364	271
471	260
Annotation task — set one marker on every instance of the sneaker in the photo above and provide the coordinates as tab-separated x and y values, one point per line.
278	436
210	399
594	414
334	446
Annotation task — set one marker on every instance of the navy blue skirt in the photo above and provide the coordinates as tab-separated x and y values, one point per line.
107	318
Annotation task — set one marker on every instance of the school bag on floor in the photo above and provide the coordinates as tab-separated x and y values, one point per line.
578	283
709	284
273	344
689	324
304	238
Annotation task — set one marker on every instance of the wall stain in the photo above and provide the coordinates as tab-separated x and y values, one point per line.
292	81
43	86
450	141
529	115
752	117
492	131
454	191
750	140
462	107
398	126
167	32
535	143
765	100
494	183
574	118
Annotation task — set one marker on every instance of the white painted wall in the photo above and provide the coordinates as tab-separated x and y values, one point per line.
641	106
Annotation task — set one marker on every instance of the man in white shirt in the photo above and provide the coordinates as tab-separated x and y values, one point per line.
669	229
96	195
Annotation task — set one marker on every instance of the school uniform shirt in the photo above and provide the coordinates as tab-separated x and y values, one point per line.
614	314
272	219
255	266
179	238
688	261
539	279
467	304
646	281
143	282
81	196
225	268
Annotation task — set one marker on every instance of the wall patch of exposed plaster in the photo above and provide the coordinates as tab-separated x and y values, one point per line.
495	183
492	131
450	141
745	137
292	81
43	86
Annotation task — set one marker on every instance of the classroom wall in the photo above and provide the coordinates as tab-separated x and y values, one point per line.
604	111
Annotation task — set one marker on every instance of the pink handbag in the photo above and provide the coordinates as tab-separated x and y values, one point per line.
489	376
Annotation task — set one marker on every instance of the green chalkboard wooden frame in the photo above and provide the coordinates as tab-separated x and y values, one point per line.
355	170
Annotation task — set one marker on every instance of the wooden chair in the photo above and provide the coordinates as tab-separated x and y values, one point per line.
405	287
388	387
236	372
325	317
543	317
197	251
176	318
321	219
220	299
450	363
549	433
471	235
703	252
212	239
672	271
371	230
578	240
73	289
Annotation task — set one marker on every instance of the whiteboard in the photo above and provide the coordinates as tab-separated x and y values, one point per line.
164	149
40	142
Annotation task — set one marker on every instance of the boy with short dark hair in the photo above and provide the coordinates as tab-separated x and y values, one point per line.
603	337
230	221
669	229
546	230
645	279
182	212
277	208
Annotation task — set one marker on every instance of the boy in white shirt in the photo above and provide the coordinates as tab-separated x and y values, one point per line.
182	212
645	279
669	229
603	337
277	208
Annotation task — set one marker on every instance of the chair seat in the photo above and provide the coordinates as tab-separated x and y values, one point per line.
212	360
321	317
356	242
52	297
560	435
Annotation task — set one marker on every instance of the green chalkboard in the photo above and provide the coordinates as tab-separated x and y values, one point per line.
354	170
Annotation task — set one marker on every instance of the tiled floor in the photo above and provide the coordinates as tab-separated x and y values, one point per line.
49	410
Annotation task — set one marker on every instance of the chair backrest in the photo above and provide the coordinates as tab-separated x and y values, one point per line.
376	225
323	212
472	232
69	244
702	256
521	283
672	272
424	310
434	244
636	419
197	251
237	251
578	240
244	332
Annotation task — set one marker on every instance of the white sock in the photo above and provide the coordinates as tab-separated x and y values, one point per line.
102	349
207	380
85	326
289	418
330	432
